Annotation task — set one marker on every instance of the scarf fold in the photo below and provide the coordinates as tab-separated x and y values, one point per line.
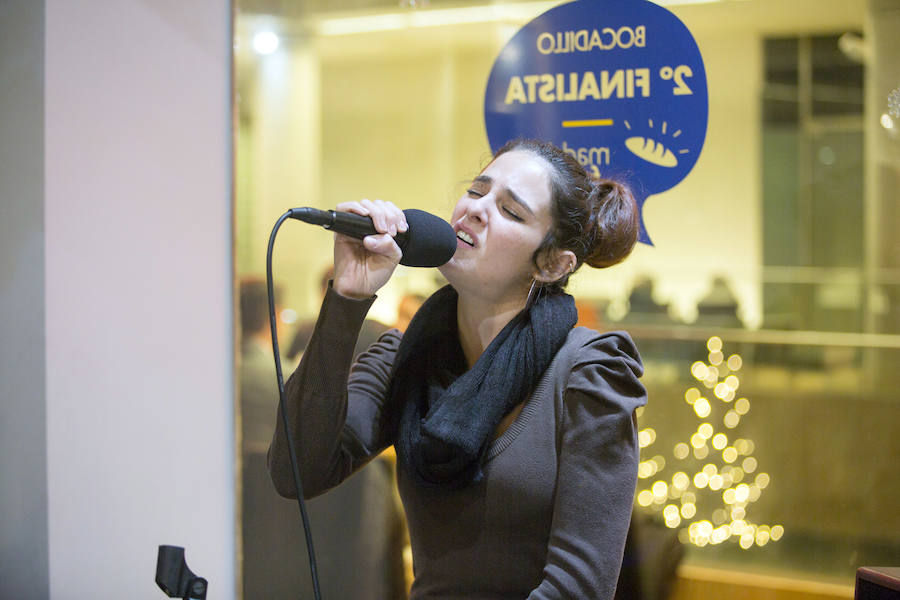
445	415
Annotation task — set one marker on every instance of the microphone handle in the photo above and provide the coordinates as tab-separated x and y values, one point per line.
347	223
358	226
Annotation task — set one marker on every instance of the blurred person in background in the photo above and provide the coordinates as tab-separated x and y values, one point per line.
406	309
368	333
358	528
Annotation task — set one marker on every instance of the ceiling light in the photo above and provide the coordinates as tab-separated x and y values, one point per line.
265	42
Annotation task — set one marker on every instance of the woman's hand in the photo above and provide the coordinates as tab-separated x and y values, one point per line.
362	267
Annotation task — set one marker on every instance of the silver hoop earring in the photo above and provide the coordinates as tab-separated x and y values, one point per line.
532	297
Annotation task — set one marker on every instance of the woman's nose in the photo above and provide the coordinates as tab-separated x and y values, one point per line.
477	210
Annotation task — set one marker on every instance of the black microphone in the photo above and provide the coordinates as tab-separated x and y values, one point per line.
428	242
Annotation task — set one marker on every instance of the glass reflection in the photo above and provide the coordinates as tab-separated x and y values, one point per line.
774	284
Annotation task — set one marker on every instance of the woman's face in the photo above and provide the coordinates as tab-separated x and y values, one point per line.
499	223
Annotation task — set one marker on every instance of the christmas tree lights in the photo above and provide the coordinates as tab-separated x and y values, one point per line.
713	466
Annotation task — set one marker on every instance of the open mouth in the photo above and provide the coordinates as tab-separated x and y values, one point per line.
465	237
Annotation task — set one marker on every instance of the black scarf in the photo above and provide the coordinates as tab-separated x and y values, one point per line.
446	414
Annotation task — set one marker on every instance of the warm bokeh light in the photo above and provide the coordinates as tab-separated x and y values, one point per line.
712	377
672	515
719	441
720	534
755	493
722	391
691	395
731	419
729	454
646	437
702	408
660	491
646	469
699	370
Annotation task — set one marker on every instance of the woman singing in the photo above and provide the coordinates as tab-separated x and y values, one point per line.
514	429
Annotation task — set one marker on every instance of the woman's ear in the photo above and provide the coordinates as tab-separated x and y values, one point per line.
556	265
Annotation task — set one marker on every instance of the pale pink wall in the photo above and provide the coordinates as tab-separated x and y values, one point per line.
138	293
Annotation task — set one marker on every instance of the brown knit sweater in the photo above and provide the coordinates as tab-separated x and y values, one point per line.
549	518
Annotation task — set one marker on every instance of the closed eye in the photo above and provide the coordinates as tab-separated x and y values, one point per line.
474	193
513	215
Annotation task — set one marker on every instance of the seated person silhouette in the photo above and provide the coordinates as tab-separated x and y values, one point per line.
718	308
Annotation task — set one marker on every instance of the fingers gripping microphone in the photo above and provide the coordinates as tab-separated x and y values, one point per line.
429	242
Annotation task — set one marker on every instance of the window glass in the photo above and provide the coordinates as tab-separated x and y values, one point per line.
767	313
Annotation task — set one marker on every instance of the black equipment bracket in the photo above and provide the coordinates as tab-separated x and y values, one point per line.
175	578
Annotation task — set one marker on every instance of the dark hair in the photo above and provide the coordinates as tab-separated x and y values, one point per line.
597	219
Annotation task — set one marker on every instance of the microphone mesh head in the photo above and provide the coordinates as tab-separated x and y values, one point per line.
431	241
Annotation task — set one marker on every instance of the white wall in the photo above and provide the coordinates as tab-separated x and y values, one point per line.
138	300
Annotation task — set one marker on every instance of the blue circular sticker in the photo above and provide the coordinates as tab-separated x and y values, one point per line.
618	84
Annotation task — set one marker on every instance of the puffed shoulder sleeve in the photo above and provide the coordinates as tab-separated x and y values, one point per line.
597	472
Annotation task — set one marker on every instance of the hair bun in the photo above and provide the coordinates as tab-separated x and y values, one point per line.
614	223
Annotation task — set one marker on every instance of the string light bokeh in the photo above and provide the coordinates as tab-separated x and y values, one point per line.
712	463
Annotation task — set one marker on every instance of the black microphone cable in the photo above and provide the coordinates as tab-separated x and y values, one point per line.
284	419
